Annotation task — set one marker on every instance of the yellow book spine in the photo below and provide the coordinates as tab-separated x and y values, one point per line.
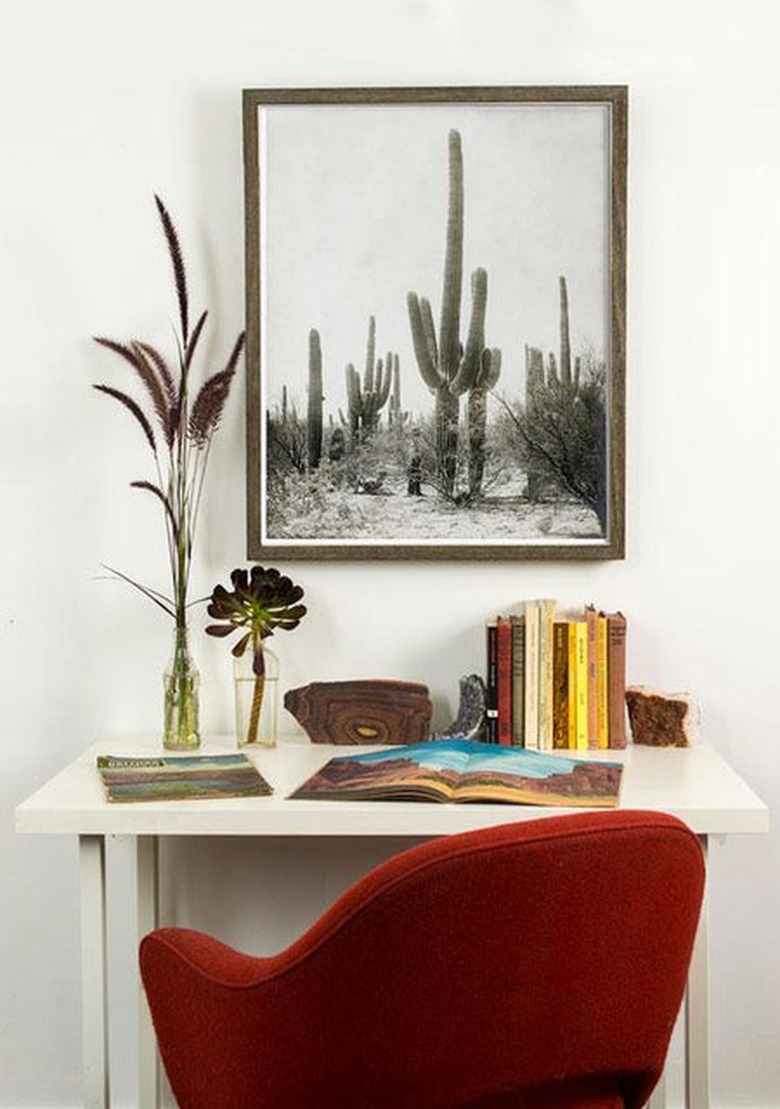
602	716
581	683
572	630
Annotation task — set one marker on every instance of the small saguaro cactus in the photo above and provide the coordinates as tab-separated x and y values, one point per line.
558	375
367	398
447	367
394	411
314	415
534	375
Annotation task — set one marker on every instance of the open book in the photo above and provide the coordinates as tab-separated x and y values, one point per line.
464	770
180	778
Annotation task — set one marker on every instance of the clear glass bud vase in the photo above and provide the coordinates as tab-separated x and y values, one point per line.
181	682
257	695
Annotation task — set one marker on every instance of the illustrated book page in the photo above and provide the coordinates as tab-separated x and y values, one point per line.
465	770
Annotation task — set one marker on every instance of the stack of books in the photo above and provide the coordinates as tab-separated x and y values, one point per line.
557	682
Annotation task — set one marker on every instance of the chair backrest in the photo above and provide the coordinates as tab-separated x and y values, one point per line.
468	967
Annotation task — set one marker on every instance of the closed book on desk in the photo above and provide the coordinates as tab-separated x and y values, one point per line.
180	778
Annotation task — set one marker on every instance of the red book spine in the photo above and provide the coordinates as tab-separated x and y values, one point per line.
504	652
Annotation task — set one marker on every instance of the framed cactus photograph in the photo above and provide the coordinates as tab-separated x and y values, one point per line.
435	284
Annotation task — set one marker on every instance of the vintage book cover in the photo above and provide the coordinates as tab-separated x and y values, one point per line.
464	770
602	692
560	684
504	648
616	668
491	680
176	778
571	627
546	621
518	680
532	674
591	620
581	683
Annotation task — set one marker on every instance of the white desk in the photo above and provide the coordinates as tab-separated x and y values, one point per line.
695	784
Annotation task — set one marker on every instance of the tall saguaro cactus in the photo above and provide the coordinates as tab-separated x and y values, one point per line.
367	398
314	421
448	368
564	329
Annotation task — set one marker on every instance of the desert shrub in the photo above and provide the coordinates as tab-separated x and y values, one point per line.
316	505
560	439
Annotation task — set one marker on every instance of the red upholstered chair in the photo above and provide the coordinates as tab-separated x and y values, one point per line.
535	964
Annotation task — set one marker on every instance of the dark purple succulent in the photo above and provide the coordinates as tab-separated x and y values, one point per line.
260	601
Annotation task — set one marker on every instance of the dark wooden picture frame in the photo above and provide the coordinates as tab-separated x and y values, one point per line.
487	422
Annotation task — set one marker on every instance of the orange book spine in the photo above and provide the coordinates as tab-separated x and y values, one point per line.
616	665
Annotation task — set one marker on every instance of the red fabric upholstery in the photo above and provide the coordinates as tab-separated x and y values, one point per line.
539	964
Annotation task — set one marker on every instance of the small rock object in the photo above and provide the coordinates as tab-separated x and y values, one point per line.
362	711
659	719
470	721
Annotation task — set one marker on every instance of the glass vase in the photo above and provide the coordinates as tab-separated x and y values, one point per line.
257	697
181	682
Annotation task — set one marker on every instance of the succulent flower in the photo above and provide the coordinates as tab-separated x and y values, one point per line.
261	601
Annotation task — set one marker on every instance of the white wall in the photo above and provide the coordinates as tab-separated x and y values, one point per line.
103	104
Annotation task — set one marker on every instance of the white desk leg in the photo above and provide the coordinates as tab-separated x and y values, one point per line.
148	907
697	1016
92	865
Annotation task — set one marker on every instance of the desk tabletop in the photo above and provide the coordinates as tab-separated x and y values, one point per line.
695	783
